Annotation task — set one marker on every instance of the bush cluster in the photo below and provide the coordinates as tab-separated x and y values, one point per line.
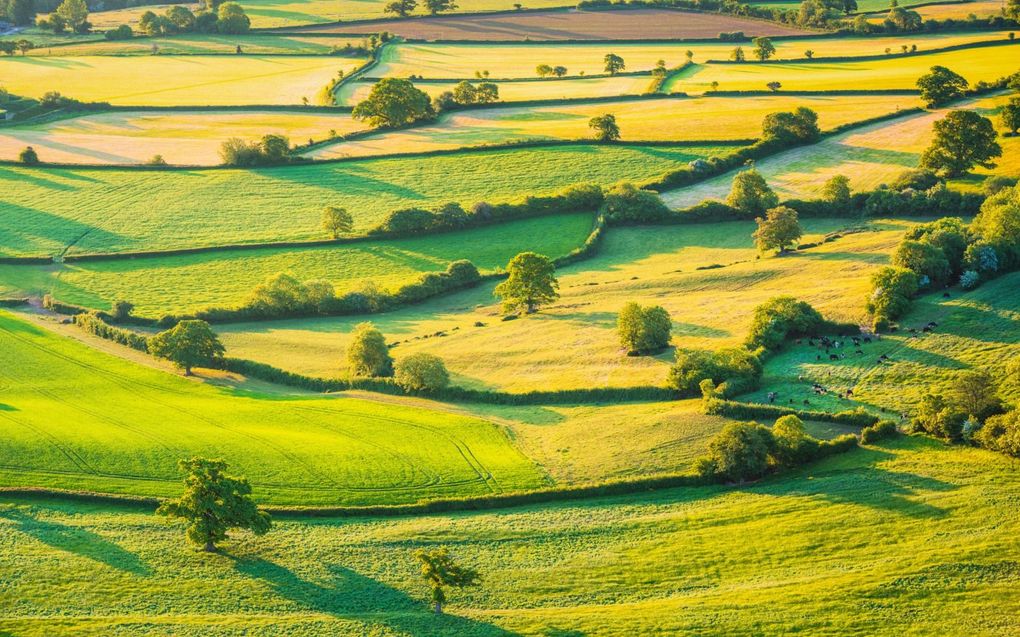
93	323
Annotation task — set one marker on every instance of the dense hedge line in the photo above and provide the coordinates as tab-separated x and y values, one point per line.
749	411
94	324
876	56
13	302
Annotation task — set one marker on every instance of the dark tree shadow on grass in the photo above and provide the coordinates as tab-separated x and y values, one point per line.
76	540
351	595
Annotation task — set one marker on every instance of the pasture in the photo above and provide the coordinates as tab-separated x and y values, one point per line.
180	137
175	284
183	80
915	536
82	210
61	430
201	44
960	10
664	119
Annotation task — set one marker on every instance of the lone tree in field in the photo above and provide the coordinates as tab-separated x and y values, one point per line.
421	372
963	139
737	54
28	156
614	63
337	221
75	14
941	86
441	572
394	102
438	6
1010	115
751	194
232	20
531	282
368	354
798	126
837	190
213	503
778	230
543	70
763	48
401	7
643	330
187	344
774	86
605	127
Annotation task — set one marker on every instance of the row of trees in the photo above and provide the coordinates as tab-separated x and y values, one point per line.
227	18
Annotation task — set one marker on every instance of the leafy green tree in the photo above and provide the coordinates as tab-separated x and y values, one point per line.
543	70
891	291
121	310
465	93
1001	433
1012	10
975	394
734	368
781	318
337	221
837	190
941	86
274	148
28	156
605	127
531	281
559	71
21	13
737	54
188	344
24	45
182	17
280	294
948	234
438	6
938	417
795	127
738	453
998	225
643	330
213	503
1010	115
900	19
8	47
486	93
849	6
401	8
614	63
774	86
750	193
421	372
777	230
928	261
791	442
232	20
626	202
394	102
763	48
123	32
439	569
368	354
75	14
809	54
963	140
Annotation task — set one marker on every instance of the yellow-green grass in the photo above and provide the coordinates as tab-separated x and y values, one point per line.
175	80
710	118
75	418
958	11
193	43
573	343
439	60
897	72
180	137
172	285
113	18
976	330
354	92
870	156
912	537
48	211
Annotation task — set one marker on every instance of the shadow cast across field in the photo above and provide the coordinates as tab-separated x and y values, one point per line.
76	540
351	595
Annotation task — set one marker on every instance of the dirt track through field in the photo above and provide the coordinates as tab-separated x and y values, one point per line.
631	24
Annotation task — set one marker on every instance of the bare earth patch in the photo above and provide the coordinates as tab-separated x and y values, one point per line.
631	24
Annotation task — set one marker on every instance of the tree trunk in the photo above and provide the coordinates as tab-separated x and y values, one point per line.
187	371
209	547
439	608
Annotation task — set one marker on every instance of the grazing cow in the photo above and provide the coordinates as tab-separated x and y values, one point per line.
912	330
849	393
818	357
799	341
859	351
867	339
811	343
807	402
945	295
926	329
894	329
833	357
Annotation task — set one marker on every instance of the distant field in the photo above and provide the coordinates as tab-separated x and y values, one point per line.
869	156
975	330
113	18
961	11
434	60
573	342
167	285
710	118
898	72
49	210
197	44
59	431
181	137
191	80
636	24
353	92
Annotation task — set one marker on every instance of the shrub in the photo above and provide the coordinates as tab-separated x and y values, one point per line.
121	310
643	330
123	32
879	431
779	229
750	194
917	179
969	280
421	372
924	259
627	203
1001	433
798	127
780	318
188	344
738	453
407	221
940	86
368	355
891	292
735	369
28	156
936	416
531	281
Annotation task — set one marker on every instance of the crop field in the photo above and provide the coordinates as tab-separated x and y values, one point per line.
167	285
633	24
52	211
180	137
961	11
58	432
983	64
202	44
113	18
909	525
572	343
184	81
671	119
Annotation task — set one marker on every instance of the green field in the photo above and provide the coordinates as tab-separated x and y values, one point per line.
572	343
984	64
709	118
58	432
188	81
169	285
961	11
180	137
201	43
907	538
51	210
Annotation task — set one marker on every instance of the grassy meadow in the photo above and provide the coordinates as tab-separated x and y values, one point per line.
899	539
182	80
56	210
671	119
175	284
180	137
572	343
961	10
200	44
60	431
